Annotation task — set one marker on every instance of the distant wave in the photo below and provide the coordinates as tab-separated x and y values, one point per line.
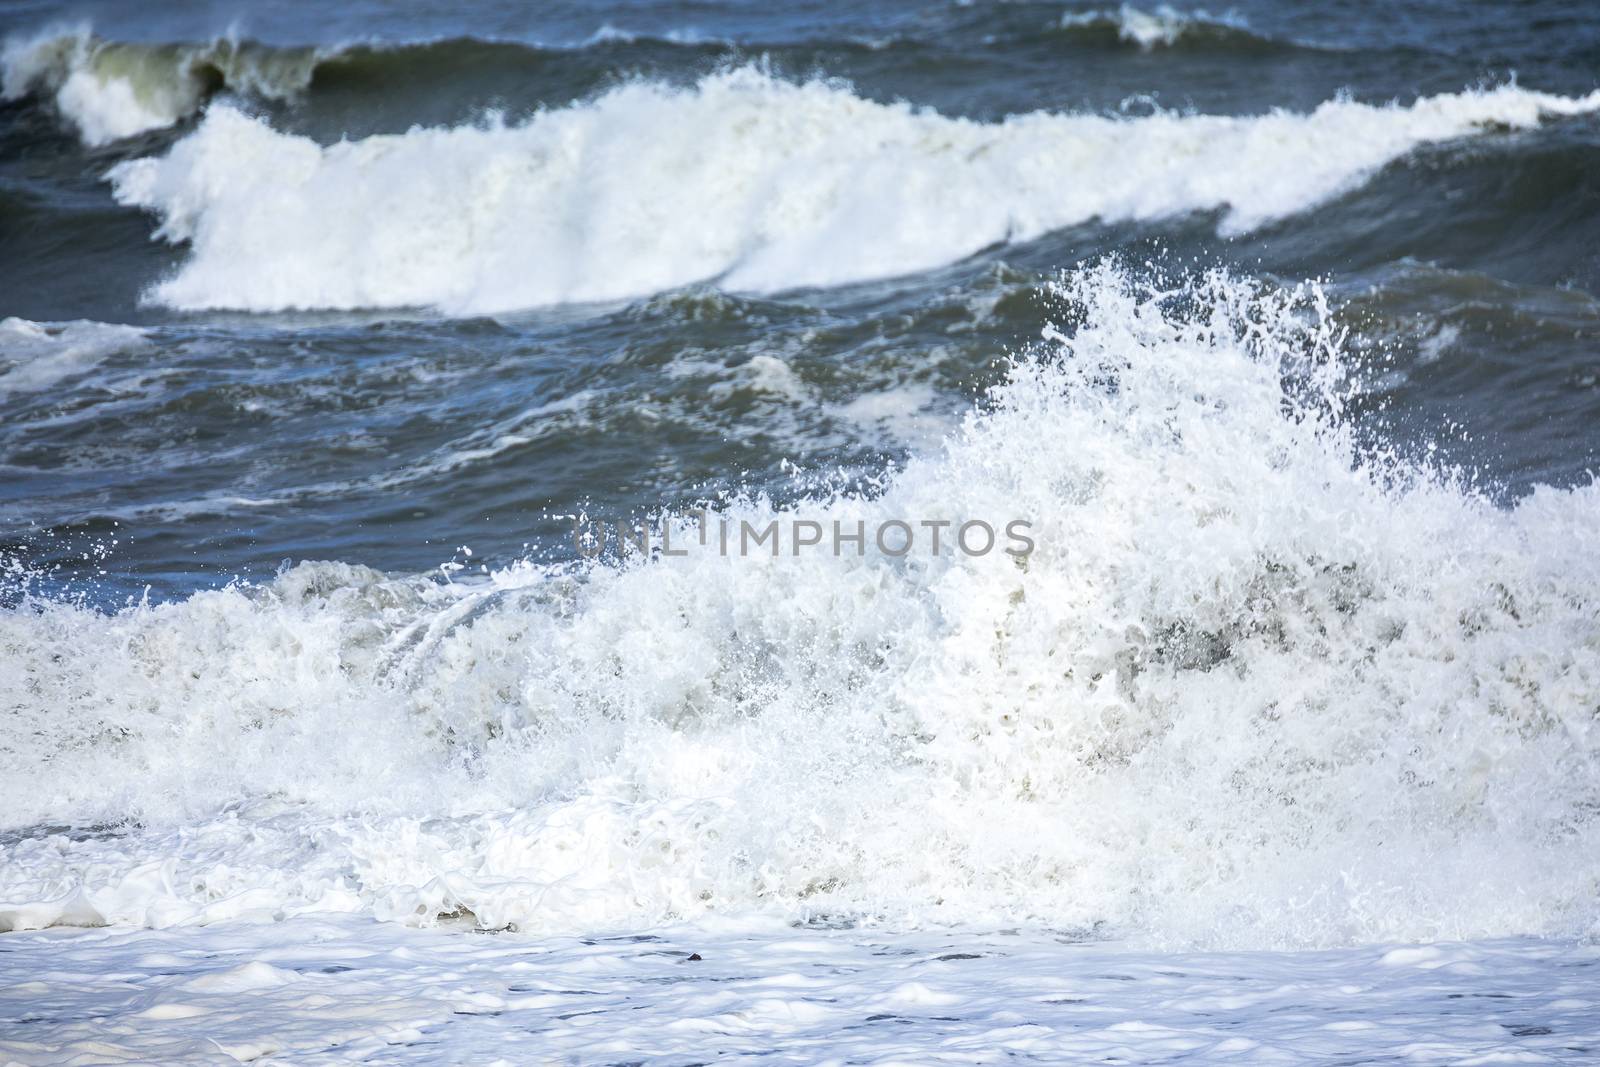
610	33
109	90
746	179
1163	26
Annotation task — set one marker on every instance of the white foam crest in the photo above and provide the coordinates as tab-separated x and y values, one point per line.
753	181
110	90
1162	26
608	33
1254	687
34	356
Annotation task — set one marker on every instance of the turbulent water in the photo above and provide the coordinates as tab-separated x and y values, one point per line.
1272	325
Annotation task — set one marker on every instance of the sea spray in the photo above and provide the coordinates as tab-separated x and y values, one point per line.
1257	685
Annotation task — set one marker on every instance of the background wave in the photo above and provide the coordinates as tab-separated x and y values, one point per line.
106	89
1164	27
758	183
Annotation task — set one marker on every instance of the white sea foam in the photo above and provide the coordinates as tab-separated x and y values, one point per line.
1255	687
36	355
327	991
109	90
756	182
1163	25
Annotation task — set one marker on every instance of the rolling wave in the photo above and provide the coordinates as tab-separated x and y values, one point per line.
755	182
110	90
107	90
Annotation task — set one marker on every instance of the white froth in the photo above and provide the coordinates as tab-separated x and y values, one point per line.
755	182
338	991
34	356
110	90
1255	687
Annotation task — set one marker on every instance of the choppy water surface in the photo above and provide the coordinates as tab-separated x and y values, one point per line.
1274	322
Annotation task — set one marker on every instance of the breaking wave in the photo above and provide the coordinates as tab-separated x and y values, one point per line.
37	356
756	183
1259	684
109	90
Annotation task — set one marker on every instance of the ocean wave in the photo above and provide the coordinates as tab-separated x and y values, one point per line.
1162	26
1258	685
610	33
757	183
109	90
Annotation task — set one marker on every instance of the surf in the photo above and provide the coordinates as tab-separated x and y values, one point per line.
750	181
1262	683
